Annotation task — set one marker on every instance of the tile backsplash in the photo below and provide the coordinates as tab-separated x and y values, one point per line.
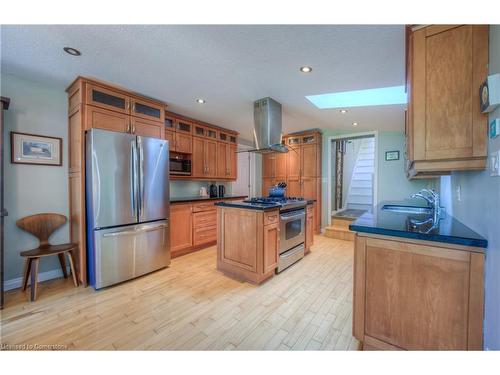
179	189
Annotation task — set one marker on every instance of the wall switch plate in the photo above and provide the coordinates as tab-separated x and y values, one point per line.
494	128
495	164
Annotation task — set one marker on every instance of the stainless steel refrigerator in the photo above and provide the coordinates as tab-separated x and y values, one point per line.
128	208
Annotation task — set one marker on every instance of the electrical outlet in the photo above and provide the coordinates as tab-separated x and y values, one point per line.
495	164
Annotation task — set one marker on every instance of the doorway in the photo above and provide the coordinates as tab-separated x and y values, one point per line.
352	175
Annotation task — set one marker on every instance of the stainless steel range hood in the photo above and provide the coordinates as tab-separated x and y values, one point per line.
267	129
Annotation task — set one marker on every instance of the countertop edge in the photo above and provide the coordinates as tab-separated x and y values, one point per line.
483	244
197	199
246	206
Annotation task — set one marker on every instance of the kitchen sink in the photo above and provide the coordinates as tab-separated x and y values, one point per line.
407	209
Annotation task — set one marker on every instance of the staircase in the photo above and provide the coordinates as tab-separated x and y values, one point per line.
360	195
339	229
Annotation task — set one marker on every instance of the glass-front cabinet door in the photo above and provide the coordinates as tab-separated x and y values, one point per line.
107	99
147	110
184	126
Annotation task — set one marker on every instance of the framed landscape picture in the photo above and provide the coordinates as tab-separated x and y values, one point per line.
35	149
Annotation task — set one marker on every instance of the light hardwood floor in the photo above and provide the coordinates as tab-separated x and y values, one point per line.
192	306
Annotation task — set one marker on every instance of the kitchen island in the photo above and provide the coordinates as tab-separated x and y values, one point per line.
418	280
247	240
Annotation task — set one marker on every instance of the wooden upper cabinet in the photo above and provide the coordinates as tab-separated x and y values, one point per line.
280	166
222	151
101	118
211	158
294	163
309	160
147	110
232	162
445	128
107	99
184	126
268	165
146	128
170	137
183	143
198	159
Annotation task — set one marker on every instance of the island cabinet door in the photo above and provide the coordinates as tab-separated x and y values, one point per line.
416	297
239	247
271	247
181	227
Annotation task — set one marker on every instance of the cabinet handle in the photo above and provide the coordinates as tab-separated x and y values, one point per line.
133	107
127	106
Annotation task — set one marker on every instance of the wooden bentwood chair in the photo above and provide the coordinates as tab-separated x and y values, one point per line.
42	226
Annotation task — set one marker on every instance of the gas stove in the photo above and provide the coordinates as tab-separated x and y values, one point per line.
286	203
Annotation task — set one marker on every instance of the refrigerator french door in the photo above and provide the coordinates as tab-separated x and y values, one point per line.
127	206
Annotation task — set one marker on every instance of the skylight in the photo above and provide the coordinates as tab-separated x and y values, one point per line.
360	98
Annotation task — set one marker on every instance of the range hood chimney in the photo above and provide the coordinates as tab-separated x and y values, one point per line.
267	128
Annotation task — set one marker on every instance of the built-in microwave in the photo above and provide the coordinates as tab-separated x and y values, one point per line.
180	164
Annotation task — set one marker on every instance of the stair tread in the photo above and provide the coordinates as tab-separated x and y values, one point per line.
338	227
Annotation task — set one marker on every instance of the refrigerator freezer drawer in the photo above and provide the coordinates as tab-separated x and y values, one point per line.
127	252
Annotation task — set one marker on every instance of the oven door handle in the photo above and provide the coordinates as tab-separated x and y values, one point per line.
285	217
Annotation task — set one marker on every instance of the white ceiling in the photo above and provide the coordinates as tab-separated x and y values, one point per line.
228	66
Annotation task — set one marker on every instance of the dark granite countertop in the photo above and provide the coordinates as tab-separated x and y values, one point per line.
399	224
198	198
249	206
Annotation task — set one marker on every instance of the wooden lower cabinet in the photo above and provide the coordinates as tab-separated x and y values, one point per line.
193	226
247	243
181	228
417	295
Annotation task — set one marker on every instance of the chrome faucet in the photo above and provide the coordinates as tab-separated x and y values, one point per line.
432	199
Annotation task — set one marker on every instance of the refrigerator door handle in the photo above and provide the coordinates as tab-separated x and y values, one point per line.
133	179
141	176
129	232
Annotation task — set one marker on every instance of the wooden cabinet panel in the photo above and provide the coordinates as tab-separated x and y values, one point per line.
268	165
100	118
309	188
309	160
281	165
183	143
417	296
205	219
222	162
211	158
146	128
294	162
416	301
75	135
239	247
445	128
232	162
449	95
147	110
198	162
294	187
181	227
271	247
309	227
108	99
205	235
170	137
205	227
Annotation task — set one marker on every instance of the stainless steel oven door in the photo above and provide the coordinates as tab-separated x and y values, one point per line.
292	229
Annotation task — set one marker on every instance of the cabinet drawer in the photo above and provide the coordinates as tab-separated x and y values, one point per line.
205	219
271	217
204	206
205	235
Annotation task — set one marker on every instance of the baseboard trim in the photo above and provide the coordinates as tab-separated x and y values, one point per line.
42	276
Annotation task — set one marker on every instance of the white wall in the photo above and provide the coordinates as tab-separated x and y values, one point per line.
31	189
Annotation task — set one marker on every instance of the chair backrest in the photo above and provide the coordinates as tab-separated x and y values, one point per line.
42	225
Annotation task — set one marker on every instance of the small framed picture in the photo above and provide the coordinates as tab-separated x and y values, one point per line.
35	149
391	155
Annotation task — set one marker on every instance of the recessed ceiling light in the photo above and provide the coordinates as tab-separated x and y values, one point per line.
343	111
200	101
72	51
354	124
306	69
